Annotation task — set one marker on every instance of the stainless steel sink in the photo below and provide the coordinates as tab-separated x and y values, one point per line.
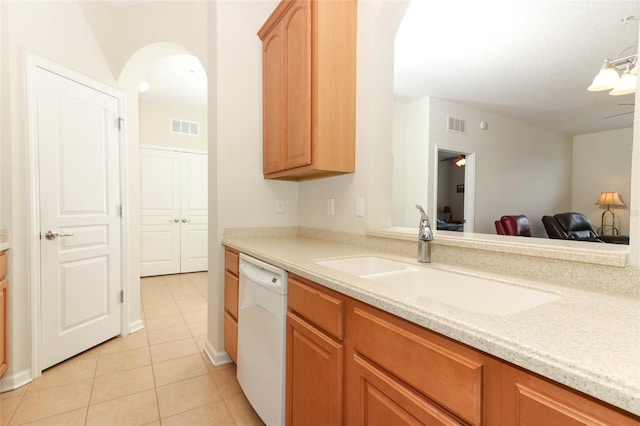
468	292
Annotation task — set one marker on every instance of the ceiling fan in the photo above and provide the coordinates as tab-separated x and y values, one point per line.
622	113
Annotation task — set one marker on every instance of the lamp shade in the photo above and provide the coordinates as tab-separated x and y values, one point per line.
446	209
609	199
626	85
606	79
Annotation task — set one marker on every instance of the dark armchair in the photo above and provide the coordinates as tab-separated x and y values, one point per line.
576	226
513	225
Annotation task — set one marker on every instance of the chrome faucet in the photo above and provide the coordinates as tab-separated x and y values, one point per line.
425	236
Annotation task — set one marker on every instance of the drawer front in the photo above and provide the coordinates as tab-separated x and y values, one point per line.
318	308
231	294
231	261
3	265
448	378
231	336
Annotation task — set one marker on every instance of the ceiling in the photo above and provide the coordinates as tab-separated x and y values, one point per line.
178	80
530	60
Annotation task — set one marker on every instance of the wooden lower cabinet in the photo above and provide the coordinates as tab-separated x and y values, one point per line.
314	375
4	288
231	288
349	363
531	401
383	400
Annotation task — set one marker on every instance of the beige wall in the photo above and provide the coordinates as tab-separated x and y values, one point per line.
155	128
602	163
63	36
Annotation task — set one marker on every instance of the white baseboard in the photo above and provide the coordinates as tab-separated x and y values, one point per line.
15	381
217	358
136	326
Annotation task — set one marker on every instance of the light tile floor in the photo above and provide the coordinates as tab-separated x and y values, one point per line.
157	376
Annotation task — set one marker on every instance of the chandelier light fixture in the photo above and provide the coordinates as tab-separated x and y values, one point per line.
609	77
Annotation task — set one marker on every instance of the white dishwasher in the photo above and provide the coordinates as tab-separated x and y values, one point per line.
261	337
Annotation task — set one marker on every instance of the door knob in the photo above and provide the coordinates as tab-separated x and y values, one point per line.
52	235
176	220
185	220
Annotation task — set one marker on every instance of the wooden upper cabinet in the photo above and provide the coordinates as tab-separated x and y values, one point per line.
309	76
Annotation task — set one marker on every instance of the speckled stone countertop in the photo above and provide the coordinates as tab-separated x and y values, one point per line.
4	239
586	340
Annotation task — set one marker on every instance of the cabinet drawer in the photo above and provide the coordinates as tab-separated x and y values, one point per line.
3	265
231	261
318	308
447	377
231	294
231	336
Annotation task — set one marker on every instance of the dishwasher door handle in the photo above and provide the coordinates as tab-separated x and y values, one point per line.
265	279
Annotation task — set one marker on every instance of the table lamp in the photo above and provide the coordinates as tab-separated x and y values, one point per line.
608	199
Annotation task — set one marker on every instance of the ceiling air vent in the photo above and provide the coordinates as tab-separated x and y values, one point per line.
455	125
184	127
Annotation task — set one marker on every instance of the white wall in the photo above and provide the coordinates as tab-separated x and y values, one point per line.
602	163
245	198
62	36
520	168
155	118
377	23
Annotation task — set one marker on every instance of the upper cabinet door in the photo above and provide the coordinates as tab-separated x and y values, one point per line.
272	79
309	54
297	34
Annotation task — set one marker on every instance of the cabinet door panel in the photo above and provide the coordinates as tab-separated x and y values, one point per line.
231	336
297	33
272	89
384	401
314	376
531	401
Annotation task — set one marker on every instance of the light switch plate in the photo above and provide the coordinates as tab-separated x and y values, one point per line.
360	206
331	206
278	206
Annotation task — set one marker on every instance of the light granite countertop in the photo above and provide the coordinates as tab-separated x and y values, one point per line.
586	340
4	240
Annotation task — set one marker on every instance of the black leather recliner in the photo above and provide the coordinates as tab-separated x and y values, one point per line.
576	226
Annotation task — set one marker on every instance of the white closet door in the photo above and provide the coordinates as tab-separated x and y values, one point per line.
194	218
159	212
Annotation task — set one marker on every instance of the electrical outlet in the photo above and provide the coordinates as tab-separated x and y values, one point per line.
330	206
278	206
360	206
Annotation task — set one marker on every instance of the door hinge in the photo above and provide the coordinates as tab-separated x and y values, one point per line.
120	123
121	296
121	210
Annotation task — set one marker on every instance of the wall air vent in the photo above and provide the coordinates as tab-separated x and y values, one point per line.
184	127
455	125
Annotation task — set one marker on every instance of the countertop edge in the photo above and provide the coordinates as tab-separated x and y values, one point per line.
589	382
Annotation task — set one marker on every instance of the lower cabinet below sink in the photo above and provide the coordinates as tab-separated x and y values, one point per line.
350	363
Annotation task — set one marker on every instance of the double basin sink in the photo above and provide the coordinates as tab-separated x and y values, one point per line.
468	292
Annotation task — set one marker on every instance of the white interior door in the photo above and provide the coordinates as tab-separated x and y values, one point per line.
159	212
79	196
174	212
194	216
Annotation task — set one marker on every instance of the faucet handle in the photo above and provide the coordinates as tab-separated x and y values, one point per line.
422	213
